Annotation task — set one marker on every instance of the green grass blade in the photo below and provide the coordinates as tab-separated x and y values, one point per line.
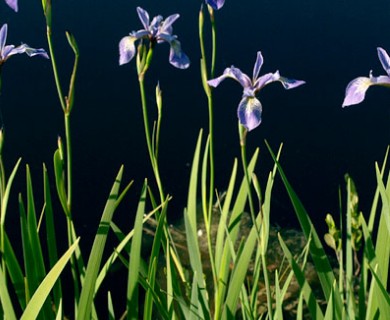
135	257
15	272
6	303
111	312
384	301
310	299
349	252
384	197
224	216
60	180
278	298
154	257
88	289
124	240
190	222
40	296
233	229
382	250
51	234
35	242
59	311
4	202
320	259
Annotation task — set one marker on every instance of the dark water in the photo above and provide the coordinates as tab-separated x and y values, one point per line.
325	43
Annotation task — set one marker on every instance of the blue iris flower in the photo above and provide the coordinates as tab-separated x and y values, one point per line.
356	89
250	109
156	31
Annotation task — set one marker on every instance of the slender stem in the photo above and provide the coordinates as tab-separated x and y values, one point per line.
208	207
68	160
148	137
55	71
242	133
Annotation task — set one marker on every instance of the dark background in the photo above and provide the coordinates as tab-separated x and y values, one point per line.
325	43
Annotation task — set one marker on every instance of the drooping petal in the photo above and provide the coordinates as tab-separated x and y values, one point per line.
166	26
11	50
257	67
249	112
290	83
3	39
13	4
144	17
31	52
126	49
384	59
215	4
233	73
286	82
177	57
356	91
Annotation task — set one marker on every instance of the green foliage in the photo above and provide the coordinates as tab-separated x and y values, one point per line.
219	266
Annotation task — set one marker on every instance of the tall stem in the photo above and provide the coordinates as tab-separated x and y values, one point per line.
68	160
242	133
54	66
152	156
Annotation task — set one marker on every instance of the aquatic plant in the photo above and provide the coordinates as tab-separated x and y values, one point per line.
156	31
223	264
249	109
356	89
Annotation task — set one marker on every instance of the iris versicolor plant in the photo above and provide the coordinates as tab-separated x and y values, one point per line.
356	89
250	109
13	4
230	264
156	31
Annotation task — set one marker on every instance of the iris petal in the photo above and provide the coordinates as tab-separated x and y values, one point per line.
144	17
126	49
3	38
356	91
215	4
290	83
177	57
167	24
258	64
13	4
384	59
233	73
249	112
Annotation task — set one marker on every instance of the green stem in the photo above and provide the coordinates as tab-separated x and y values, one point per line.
55	71
152	157
68	160
208	207
242	133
